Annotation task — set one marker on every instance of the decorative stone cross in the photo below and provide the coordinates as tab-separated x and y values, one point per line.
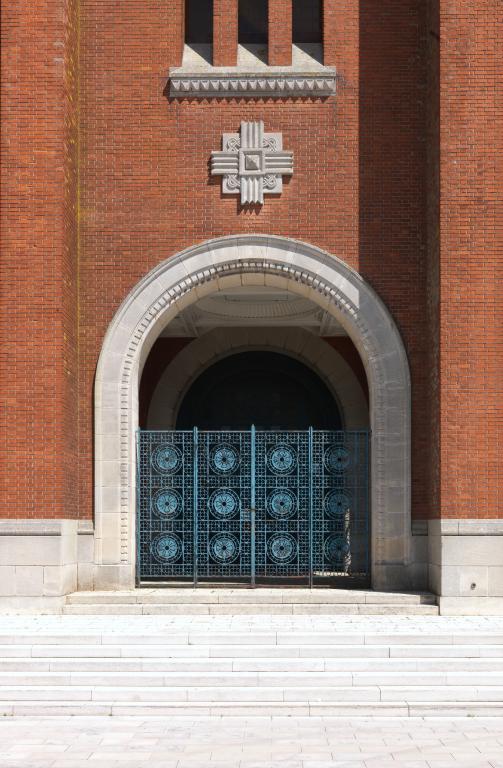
252	163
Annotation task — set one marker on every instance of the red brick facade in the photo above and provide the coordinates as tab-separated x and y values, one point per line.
39	260
104	177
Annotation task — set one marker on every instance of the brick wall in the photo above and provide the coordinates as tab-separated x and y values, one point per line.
146	192
363	188
280	33
225	33
38	332
432	126
470	263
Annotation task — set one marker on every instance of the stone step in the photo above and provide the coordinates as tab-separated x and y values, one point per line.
263	694
195	637
202	666
165	652
249	679
254	709
256	597
274	609
232	665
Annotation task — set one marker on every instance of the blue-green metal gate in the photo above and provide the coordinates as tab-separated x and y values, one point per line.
252	504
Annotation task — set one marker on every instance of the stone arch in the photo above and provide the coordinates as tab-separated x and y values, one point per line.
298	343
257	260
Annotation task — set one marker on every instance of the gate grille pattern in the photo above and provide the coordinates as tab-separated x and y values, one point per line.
252	504
224	493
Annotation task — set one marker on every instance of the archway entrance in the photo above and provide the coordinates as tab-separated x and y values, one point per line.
220	265
283	500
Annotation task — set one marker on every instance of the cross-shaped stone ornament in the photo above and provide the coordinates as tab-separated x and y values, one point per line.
252	163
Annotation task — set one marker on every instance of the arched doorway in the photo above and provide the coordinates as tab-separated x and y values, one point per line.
304	271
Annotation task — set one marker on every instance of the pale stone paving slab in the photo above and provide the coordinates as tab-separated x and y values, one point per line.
233	742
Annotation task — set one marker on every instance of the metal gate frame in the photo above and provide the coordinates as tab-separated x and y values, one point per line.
252	504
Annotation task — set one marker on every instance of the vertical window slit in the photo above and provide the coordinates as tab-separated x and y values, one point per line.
307	27
199	22
253	22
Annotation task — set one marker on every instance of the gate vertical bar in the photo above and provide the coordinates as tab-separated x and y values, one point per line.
137	516
310	511
195	484
252	504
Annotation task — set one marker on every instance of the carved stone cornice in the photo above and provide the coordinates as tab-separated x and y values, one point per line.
254	85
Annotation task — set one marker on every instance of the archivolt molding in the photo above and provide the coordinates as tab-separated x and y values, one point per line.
254	259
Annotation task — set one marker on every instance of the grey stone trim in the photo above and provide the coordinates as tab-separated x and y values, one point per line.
34	527
466	527
466	565
477	605
420	527
85	527
258	260
229	84
38	558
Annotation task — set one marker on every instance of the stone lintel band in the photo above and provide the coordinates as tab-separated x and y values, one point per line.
234	83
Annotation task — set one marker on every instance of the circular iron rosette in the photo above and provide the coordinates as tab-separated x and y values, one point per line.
282	503
282	548
166	548
337	504
337	458
336	549
282	459
224	503
167	503
224	548
167	459
224	459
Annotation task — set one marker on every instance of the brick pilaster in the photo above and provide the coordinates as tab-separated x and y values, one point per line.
470	316
280	33
176	30
331	18
225	33
38	312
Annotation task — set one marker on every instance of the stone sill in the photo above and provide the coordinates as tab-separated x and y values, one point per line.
37	527
466	527
252	77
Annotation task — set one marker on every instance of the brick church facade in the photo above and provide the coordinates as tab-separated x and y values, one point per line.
181	180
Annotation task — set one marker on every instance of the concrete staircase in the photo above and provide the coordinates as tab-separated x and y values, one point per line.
215	602
237	664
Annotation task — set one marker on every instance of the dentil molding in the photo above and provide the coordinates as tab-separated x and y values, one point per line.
231	84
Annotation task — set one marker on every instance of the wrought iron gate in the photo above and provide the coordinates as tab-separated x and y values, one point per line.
252	504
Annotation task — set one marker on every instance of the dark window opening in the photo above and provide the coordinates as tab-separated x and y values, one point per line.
253	22
199	22
307	27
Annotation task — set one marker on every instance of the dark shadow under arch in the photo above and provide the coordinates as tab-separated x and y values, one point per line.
268	389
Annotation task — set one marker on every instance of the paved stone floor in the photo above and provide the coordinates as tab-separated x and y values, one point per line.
233	742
